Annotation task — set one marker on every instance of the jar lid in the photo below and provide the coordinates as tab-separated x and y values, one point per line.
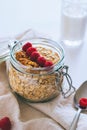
5	46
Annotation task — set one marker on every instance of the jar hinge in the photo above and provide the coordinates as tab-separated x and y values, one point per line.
61	73
71	88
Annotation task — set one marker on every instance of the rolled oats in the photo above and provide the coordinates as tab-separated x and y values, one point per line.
38	87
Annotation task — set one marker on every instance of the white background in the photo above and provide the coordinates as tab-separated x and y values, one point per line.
18	15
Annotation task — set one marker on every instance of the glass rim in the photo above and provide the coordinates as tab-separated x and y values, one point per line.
76	1
51	69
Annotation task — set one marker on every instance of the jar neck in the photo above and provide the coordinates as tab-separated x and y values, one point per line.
36	71
46	43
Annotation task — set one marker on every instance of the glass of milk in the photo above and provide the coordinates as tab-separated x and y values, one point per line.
73	21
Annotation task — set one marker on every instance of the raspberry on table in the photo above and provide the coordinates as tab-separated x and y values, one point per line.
5	124
34	56
26	46
41	61
48	63
30	50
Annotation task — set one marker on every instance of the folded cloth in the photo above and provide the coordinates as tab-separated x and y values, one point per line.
56	114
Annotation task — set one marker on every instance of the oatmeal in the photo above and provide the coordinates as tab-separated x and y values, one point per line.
36	86
47	53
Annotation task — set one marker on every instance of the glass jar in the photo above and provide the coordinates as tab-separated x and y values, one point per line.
38	84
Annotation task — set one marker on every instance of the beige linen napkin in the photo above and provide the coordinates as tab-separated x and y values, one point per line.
53	115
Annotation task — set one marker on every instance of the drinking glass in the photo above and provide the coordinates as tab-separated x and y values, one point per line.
73	21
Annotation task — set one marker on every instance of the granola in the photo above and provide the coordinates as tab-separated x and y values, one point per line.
39	87
47	53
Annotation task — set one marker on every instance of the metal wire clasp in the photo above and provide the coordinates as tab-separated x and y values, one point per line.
67	88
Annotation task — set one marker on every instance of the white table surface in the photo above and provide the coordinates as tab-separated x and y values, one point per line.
17	16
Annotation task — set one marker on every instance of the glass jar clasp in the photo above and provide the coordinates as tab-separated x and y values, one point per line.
67	88
12	43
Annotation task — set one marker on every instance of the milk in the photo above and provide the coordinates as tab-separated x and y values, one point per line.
73	25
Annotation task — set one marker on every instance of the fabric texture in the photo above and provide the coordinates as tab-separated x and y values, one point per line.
56	114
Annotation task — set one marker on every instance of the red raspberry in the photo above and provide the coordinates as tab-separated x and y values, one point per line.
83	102
30	50
26	46
34	56
48	63
5	124
41	61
